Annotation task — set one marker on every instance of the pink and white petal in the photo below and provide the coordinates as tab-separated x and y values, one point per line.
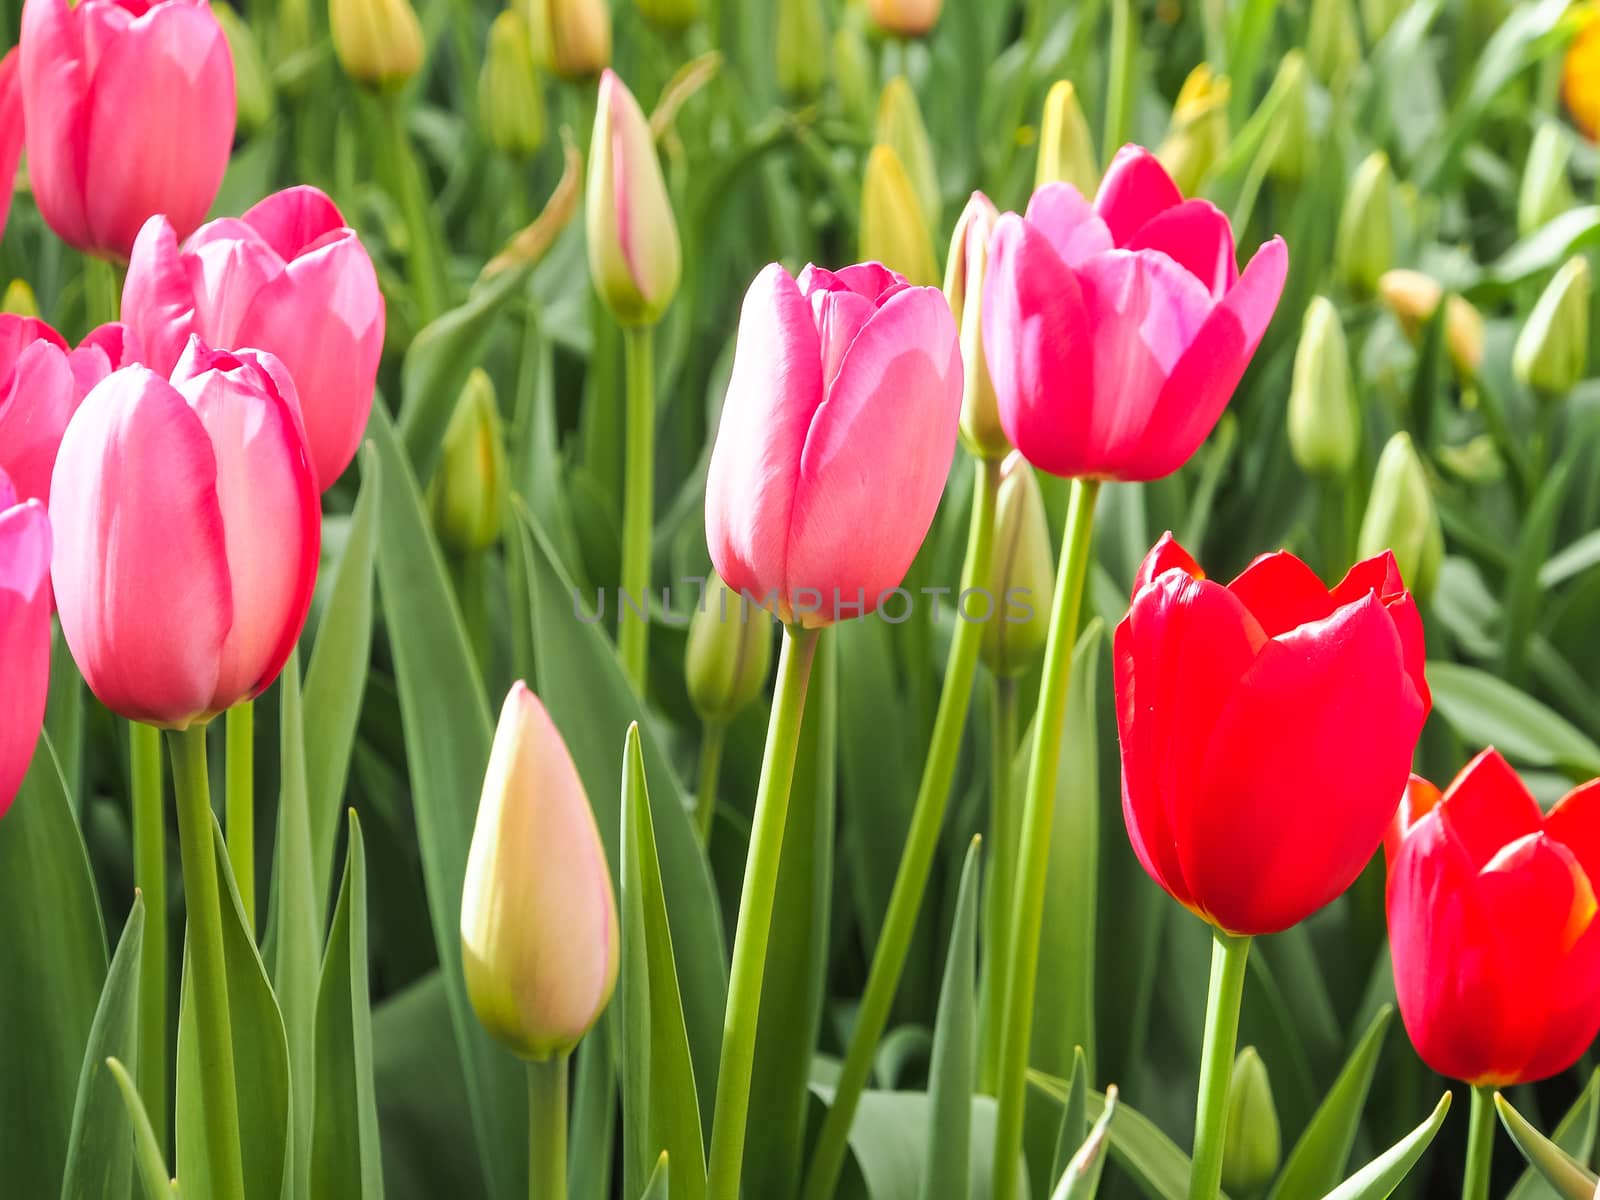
1069	223
294	219
1197	236
104	349
840	315
1135	190
158	300
226	274
55	117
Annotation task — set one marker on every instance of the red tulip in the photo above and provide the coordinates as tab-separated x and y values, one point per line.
1116	333
290	277
836	438
10	132
1492	925
129	108
24	634
187	533
1267	729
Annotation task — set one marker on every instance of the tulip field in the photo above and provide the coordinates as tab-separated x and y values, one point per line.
712	600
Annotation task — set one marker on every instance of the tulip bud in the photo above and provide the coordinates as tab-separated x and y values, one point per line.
853	73
253	90
1401	517
571	37
893	230
1022	577
1546	192
538	917
1414	297
471	489
1066	147
1324	421
1580	78
963	291
1552	352
1364	248
634	254
730	650
671	15
510	100
1296	144
19	300
900	128
377	42
801	34
1198	134
905	18
1252	1146
1333	43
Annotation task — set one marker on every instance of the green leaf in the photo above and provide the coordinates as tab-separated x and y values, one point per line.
1524	594
1074	1115
51	940
1317	1161
1575	1135
953	1064
1546	248
153	1174
1570	1178
98	1163
1577	557
447	733
1379	1178
297	917
336	676
657	1071
261	1059
658	1187
346	1159
888	1145
1485	710
1080	1179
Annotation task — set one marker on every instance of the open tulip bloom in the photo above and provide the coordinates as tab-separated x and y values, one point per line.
24	633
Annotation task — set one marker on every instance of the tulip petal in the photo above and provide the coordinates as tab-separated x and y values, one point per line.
24	638
294	219
870	280
773	393
140	567
1165	555
1204	379
1420	799
839	316
171	73
1069	223
158	300
1575	823
1283	592
1135	190
54	79
1180	653
1281	787
1039	346
105	349
886	429
1195	235
35	406
228	264
10	131
1488	807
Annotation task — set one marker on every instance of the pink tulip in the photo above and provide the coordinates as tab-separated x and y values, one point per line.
187	533
129	108
24	634
1116	333
837	435
10	132
290	277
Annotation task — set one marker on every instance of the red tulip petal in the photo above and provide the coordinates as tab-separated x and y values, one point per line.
1283	592
1420	799
1488	807
1197	236
1069	223
1166	555
1572	1020
1575	823
1135	190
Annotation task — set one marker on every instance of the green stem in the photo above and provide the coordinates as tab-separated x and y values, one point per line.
1033	837
1480	1146
638	488
219	1100
241	804
102	292
922	841
1119	82
547	1129
705	797
755	915
150	877
1002	874
1229	955
1214	14
427	275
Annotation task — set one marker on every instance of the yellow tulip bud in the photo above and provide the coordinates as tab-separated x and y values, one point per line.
963	291
254	96
729	653
1414	297
1552	351
1364	246
1066	147
801	34
1401	516
900	127
510	100
471	488
905	18
19	299
377	42
1324	422
538	916
634	255
1198	134
571	37
1252	1145
1022	577
893	229
1580	77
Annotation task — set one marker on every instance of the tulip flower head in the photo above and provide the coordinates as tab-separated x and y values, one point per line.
24	634
963	291
129	111
510	93
10	131
1414	298
729	653
187	532
1267	728
1580	78
836	438
289	277
538	918
905	18
1022	575
1492	925
37	399
573	37
377	42
1066	147
1116	332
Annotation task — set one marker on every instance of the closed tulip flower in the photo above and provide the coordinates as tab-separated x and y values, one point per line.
289	277
10	132
24	634
905	18
836	438
1116	333
963	290
1267	728
1580	78
572	36
538	919
1492	925
187	533
129	112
